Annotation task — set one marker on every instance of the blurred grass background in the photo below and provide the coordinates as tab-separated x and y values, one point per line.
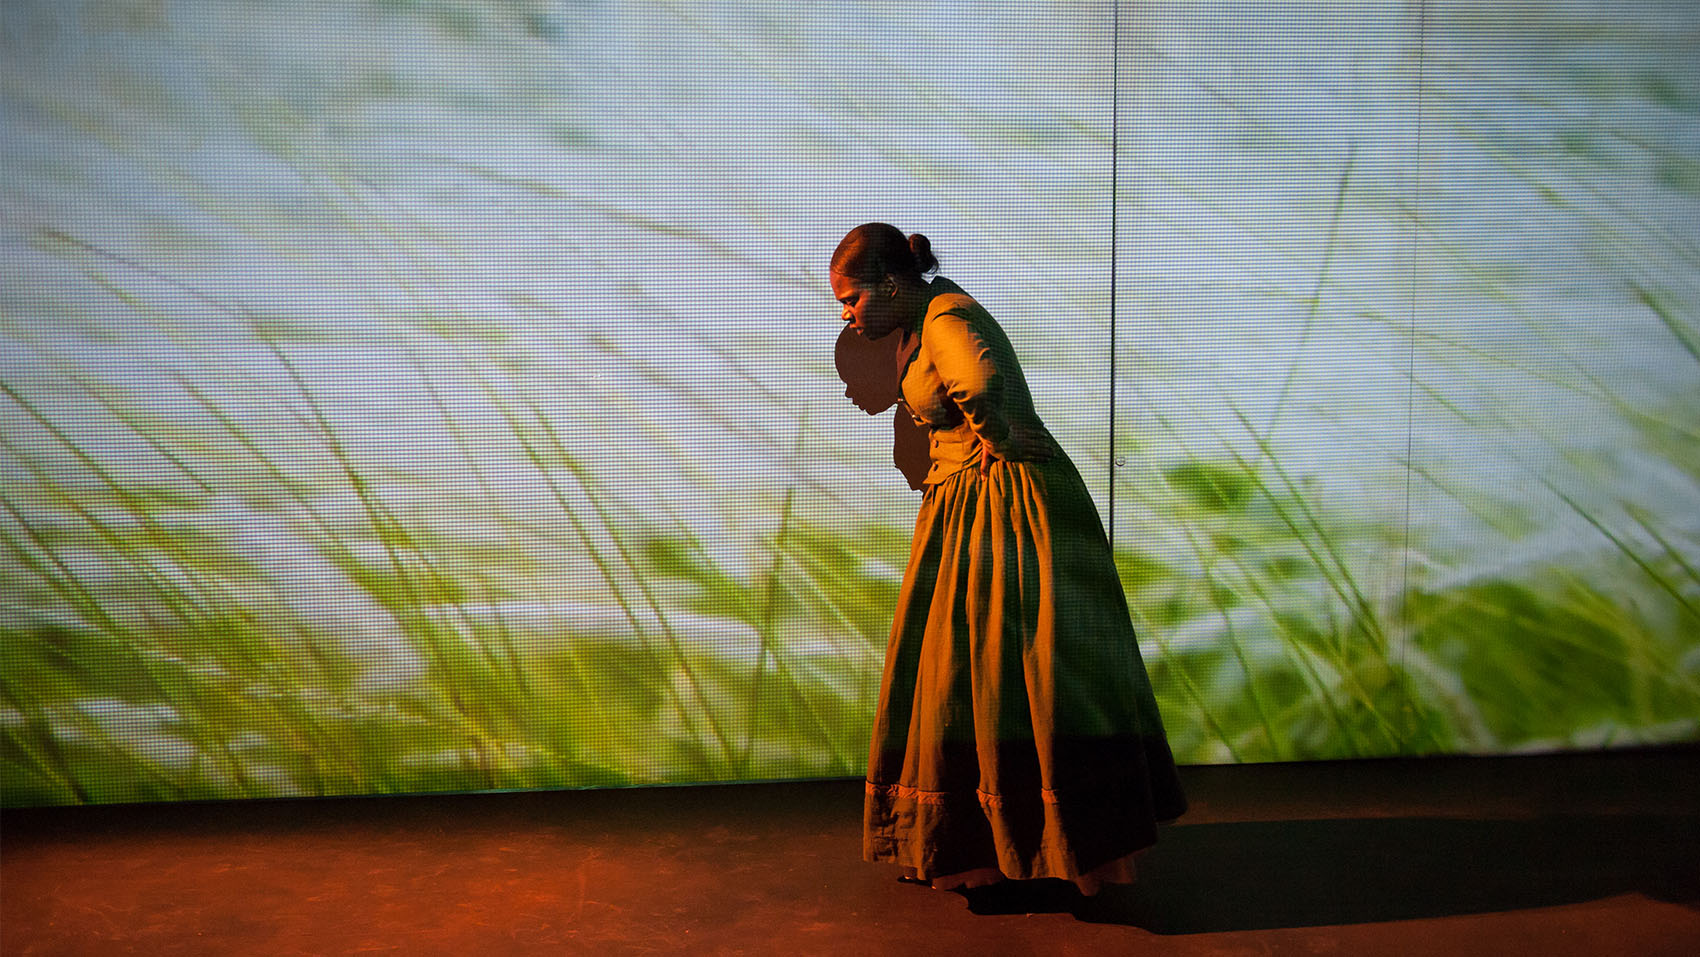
436	395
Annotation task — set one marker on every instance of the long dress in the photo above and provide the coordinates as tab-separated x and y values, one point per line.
1016	734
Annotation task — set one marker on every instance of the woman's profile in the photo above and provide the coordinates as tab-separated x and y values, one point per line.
1017	736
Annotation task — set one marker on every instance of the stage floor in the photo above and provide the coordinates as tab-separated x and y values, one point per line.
1575	854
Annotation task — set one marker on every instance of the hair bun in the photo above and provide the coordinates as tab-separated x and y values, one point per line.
922	248
873	251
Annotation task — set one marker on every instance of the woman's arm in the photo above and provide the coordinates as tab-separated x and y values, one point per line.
972	369
969	370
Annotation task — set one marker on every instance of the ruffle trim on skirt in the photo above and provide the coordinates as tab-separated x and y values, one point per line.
987	800
965	839
1122	870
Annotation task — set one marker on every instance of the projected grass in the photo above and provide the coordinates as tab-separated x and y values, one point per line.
1524	578
177	670
389	427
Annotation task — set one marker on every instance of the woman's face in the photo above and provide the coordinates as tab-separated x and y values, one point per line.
869	307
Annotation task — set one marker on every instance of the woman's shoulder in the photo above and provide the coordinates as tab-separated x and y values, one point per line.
950	301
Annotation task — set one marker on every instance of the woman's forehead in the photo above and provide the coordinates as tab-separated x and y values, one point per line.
841	283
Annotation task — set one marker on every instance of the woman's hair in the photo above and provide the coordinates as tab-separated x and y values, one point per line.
873	251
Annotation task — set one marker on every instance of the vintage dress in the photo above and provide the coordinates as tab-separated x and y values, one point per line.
1016	726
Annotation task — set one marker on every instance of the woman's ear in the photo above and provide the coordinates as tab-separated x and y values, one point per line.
890	285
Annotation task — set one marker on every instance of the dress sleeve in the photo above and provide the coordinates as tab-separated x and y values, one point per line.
968	367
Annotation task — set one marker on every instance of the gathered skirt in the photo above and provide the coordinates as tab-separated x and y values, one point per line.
1016	726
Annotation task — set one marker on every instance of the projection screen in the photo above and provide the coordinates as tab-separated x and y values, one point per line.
438	395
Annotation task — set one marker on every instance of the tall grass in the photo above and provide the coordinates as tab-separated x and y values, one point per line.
1546	602
219	583
195	686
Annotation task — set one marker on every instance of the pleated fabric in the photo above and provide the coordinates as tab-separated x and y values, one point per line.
1016	726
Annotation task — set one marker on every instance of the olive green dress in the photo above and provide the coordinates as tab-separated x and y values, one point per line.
1016	727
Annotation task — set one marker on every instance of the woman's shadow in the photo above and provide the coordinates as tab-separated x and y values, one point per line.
871	369
1263	875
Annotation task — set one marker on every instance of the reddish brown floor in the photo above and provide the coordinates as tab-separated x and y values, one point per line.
1577	854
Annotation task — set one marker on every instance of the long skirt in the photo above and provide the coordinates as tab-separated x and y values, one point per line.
1016	728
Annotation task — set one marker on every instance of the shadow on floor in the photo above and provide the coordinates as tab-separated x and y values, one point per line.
1564	855
1256	876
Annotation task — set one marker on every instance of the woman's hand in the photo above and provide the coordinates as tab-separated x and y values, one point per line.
1020	445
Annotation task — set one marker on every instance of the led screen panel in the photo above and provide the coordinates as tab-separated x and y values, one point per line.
439	395
1408	374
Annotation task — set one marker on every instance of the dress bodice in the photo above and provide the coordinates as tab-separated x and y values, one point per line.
964	384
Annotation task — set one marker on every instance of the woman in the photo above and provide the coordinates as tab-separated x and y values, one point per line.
1017	736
